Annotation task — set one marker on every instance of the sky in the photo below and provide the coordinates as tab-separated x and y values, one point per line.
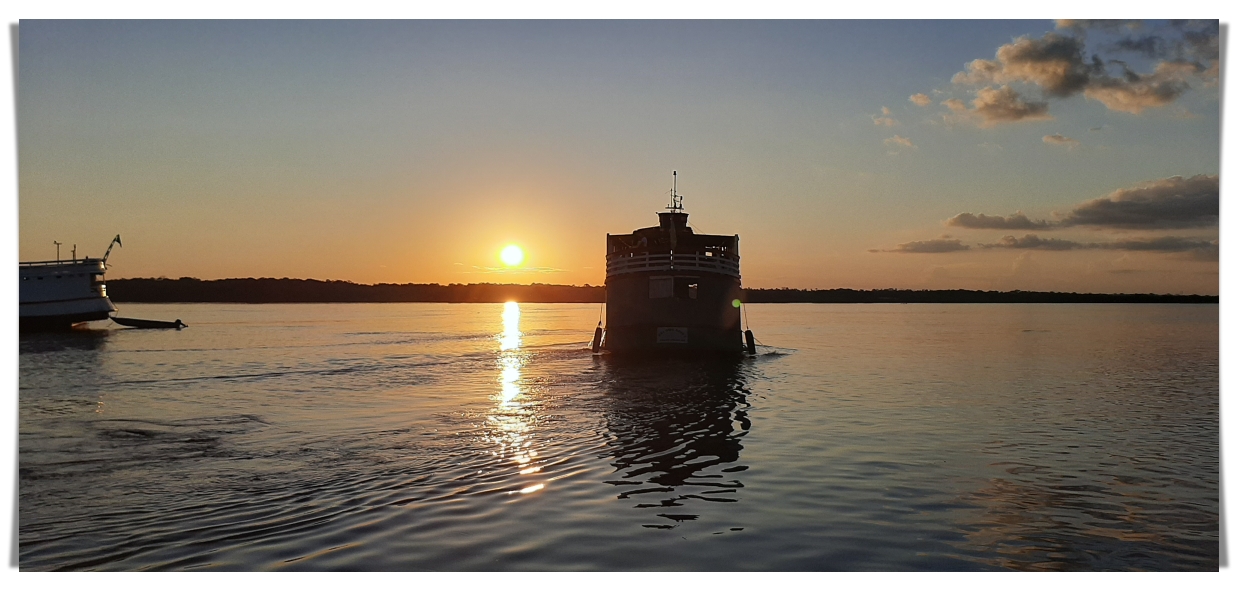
1031	154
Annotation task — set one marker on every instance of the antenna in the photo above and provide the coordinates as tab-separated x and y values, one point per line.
676	198
57	250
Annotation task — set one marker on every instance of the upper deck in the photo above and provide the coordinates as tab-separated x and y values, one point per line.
56	281
671	246
55	264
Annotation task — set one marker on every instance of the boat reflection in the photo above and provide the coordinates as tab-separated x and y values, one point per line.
676	428
79	356
513	415
69	340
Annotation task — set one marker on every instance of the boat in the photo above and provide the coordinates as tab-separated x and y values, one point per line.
671	289
55	295
139	323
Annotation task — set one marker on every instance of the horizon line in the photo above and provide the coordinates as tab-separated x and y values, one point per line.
590	286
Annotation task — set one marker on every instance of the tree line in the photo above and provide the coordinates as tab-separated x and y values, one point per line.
269	290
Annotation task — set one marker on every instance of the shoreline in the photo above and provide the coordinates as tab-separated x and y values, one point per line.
291	291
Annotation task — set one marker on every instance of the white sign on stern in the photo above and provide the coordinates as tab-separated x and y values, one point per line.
672	334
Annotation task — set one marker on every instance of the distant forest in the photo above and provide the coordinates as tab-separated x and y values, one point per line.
267	291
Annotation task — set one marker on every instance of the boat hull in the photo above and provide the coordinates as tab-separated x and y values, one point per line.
63	315
672	290
706	321
55	295
58	322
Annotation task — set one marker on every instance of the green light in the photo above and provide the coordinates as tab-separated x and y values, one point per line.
735	303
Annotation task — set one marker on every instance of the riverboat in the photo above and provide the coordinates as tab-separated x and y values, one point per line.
671	289
55	295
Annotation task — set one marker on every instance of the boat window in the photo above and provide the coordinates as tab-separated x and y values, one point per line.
685	287
661	287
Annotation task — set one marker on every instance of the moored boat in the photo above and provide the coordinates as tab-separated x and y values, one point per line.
55	295
139	323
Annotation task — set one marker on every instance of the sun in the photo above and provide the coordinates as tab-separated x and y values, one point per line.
512	255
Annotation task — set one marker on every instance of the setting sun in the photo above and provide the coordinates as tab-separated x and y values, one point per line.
512	255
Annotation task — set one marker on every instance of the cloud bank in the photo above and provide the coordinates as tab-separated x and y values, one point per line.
1161	244
1174	202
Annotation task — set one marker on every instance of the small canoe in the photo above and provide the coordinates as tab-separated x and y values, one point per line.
137	323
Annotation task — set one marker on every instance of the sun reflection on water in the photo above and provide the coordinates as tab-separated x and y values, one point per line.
513	413
510	338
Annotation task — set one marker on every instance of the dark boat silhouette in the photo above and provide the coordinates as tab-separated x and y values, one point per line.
138	323
669	289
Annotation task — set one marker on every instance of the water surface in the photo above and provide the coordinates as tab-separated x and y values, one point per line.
487	437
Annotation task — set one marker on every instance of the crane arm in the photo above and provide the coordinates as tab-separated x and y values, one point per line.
115	242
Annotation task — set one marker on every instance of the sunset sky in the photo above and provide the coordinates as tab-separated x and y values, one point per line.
1033	155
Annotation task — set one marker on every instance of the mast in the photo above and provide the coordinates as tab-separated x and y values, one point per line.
676	199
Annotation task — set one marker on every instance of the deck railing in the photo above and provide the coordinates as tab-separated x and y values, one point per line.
639	263
61	263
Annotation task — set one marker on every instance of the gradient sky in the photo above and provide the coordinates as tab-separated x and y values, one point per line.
842	153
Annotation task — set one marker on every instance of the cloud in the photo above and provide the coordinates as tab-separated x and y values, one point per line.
937	245
897	144
1058	139
1014	221
1053	62
1132	93
1161	244
1191	248
1200	42
999	105
1058	66
1032	241
1173	202
885	119
1152	46
1212	252
920	99
1111	25
899	140
511	270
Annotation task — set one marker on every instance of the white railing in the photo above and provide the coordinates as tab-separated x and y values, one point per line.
63	263
618	265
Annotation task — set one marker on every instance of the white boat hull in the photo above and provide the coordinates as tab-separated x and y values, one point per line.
64	314
58	294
